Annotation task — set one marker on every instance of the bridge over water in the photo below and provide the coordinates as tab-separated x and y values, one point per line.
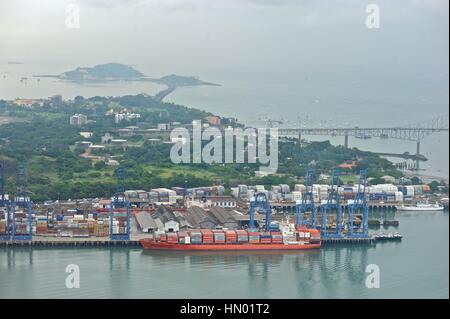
416	132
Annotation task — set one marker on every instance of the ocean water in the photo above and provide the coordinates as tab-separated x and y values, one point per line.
417	267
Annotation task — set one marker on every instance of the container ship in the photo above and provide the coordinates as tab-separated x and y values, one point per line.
290	238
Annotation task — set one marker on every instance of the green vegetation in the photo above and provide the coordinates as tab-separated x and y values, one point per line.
102	72
43	139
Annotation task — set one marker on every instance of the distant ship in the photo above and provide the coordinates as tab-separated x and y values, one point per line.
421	207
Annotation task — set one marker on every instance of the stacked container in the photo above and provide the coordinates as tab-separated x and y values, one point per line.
207	236
276	189
172	238
231	236
299	188
161	237
219	236
183	237
285	189
277	237
253	237
196	236
266	238
260	188
242	236
243	189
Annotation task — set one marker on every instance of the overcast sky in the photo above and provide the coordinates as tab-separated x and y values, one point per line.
195	36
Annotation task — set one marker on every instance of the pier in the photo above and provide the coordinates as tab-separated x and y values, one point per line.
72	242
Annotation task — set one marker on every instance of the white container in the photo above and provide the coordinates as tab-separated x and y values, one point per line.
296	195
299	188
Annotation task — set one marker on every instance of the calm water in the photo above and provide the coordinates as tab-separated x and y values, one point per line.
418	267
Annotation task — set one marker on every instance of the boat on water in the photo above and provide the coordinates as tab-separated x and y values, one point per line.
287	238
425	206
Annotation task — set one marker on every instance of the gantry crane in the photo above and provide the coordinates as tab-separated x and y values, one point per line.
332	205
306	203
259	202
21	222
5	205
120	208
359	205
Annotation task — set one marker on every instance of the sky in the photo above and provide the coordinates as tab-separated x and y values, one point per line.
261	37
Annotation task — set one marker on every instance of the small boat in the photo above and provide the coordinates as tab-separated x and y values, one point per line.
421	206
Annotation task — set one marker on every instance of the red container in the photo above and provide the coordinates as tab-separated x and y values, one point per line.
230	236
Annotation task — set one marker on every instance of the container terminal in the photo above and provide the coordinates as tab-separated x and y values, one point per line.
340	213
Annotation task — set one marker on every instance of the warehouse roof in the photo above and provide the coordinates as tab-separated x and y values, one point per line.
196	215
145	221
222	215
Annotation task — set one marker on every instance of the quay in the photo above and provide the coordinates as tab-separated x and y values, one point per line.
72	242
345	240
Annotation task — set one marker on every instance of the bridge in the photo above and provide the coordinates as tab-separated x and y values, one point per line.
415	132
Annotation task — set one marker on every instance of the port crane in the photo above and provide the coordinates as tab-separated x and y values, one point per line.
259	202
333	204
359	205
306	203
120	207
5	205
22	200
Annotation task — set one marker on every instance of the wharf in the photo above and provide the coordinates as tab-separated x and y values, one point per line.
344	240
70	242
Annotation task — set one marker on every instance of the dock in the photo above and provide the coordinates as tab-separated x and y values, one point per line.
73	242
344	240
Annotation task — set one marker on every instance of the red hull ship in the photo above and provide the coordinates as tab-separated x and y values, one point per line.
231	240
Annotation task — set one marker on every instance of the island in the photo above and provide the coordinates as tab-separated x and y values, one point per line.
121	72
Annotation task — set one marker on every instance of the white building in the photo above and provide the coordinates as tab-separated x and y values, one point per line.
78	119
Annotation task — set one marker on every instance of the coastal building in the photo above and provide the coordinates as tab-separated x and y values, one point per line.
145	222
154	141
28	102
163	126
168	218
78	119
224	217
222	201
86	134
199	218
107	138
119	143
